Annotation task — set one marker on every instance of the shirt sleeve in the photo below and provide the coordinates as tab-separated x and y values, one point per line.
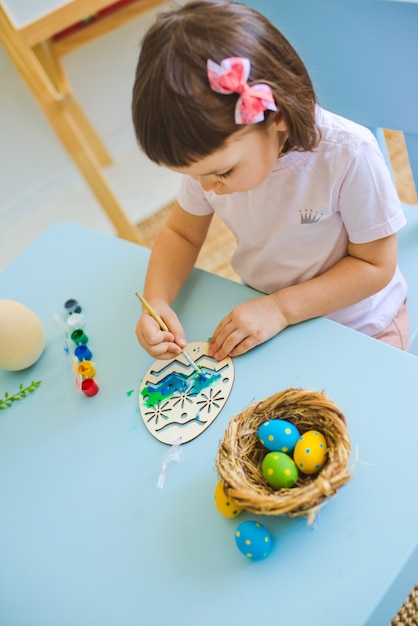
192	198
369	203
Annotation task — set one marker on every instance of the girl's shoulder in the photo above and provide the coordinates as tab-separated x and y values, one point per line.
336	129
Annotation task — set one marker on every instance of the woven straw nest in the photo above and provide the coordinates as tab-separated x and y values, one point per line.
240	454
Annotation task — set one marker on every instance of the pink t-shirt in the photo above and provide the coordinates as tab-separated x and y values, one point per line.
297	223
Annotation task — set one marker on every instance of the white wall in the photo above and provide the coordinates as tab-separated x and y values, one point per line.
33	164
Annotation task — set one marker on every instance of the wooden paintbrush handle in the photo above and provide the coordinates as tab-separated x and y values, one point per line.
153	313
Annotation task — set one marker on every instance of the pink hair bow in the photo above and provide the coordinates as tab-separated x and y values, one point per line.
231	76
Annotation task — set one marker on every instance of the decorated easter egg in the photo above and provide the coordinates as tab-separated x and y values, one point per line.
22	336
225	505
253	540
175	402
310	452
278	435
279	470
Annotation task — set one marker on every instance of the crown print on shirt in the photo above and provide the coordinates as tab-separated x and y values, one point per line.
309	217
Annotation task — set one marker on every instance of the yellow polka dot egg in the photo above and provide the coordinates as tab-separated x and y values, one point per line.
225	505
278	435
310	452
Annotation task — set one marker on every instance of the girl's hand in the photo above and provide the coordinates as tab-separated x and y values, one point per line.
247	325
159	343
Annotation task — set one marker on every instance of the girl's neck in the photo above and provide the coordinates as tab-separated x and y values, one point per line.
284	145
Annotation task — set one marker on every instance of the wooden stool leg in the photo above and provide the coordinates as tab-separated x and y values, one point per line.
52	65
54	107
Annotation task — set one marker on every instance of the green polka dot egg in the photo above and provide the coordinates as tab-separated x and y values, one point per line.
310	452
278	435
279	470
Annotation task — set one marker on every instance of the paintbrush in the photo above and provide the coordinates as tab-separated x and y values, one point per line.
164	327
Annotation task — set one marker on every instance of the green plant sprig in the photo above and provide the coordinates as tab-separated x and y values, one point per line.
8	400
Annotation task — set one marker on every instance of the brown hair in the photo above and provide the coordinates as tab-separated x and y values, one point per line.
177	117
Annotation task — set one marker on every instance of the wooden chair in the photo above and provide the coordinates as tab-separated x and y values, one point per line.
35	48
362	56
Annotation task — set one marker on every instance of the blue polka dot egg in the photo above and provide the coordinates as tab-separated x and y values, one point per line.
278	435
310	452
253	540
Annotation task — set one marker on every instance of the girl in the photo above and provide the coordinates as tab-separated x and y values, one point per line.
222	97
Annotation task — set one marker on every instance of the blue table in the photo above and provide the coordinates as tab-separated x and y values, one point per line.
87	538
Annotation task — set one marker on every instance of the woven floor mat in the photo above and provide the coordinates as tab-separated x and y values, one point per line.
400	166
216	251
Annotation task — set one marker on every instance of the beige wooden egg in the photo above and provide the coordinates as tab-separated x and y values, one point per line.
22	336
